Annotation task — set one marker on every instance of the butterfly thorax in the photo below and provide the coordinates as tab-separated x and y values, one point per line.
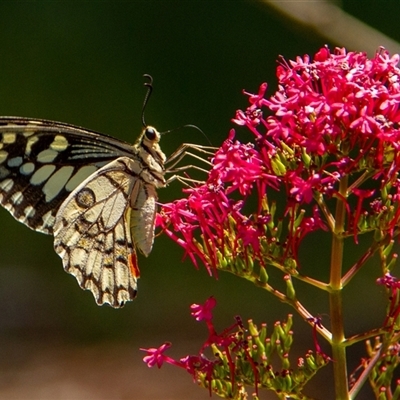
152	158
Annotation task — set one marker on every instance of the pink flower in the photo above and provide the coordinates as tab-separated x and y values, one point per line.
204	312
155	356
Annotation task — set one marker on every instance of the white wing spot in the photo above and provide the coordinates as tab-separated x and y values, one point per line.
60	143
17	198
107	279
7	184
91	216
83	173
47	156
15	162
27	168
4	172
109	242
9	138
77	257
56	183
30	142
113	208
3	156
48	220
71	238
28	132
121	274
42	174
29	212
10	208
93	264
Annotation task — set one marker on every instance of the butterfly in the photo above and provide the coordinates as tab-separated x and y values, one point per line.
95	194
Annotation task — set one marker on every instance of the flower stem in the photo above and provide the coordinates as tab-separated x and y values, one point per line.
357	266
335	297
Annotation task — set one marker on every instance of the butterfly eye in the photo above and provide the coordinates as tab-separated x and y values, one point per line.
150	133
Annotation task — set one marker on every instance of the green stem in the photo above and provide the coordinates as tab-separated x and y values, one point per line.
335	298
357	266
302	311
362	337
364	376
297	275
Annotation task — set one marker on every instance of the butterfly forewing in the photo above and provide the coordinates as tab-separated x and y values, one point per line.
41	162
96	194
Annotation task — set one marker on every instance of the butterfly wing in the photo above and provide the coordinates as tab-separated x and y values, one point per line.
42	162
92	233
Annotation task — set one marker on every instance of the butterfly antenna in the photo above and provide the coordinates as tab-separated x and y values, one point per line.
149	86
189	126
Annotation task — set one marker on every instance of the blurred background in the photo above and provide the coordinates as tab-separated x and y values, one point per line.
82	63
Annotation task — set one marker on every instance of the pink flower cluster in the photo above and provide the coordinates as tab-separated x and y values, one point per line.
333	120
200	364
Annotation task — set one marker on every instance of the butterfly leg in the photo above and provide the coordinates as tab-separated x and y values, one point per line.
183	179
182	151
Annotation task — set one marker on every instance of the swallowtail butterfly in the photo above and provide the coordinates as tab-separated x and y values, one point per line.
95	194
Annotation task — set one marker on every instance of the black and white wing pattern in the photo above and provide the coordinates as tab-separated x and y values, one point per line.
94	193
92	233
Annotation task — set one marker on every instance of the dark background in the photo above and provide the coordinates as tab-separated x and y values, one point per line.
82	63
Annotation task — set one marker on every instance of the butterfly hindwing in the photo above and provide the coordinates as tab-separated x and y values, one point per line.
92	234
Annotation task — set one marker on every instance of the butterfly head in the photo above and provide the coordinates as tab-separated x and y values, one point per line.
148	145
150	135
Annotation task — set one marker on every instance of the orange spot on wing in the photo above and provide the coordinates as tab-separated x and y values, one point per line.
133	265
